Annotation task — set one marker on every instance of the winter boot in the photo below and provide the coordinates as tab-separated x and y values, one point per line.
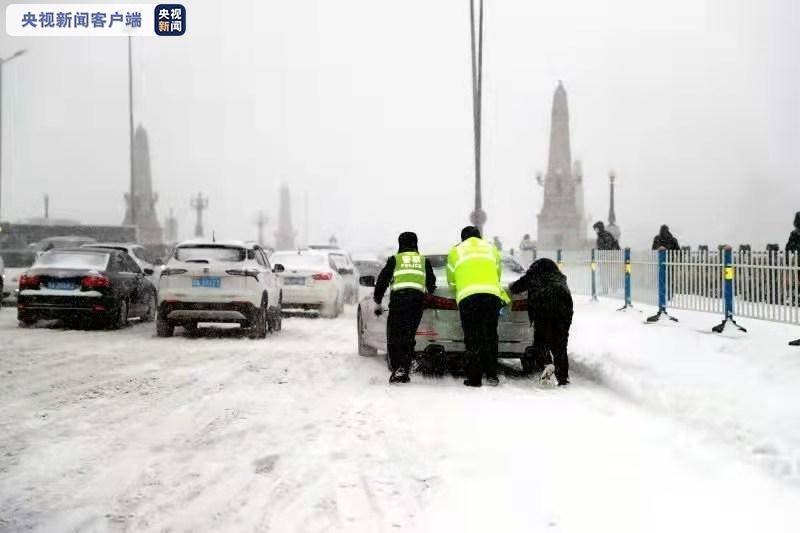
795	343
492	381
562	381
400	375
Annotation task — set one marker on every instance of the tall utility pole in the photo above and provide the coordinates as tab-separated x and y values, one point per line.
261	222
2	63
132	197
199	204
478	216
46	206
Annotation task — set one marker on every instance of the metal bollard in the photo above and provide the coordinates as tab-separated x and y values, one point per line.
594	275
628	302
662	288
727	292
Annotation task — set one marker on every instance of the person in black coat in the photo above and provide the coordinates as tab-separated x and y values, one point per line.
605	241
793	245
665	239
550	312
405	310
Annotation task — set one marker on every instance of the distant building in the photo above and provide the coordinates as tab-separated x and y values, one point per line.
284	237
145	201
561	222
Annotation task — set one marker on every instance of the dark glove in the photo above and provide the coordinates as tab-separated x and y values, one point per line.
378	311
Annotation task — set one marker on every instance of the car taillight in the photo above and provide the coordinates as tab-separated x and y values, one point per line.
519	305
29	282
323	276
95	282
173	271
240	272
439	302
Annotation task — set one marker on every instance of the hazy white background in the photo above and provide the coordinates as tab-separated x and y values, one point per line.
365	105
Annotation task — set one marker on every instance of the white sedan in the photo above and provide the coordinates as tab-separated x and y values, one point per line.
440	338
218	282
310	281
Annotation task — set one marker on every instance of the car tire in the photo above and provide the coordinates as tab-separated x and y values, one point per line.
364	349
331	310
258	330
120	318
26	322
164	328
275	323
150	314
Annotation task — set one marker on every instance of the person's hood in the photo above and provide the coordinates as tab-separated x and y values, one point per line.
797	220
599	226
664	232
544	270
407	242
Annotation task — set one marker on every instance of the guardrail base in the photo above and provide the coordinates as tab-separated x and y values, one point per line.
661	313
719	328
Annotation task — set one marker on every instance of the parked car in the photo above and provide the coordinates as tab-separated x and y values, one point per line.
344	265
310	281
440	339
16	262
85	285
138	253
226	282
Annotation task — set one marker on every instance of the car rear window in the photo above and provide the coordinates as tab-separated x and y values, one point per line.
73	260
294	261
207	253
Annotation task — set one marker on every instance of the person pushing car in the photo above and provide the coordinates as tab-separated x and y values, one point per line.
409	276
473	271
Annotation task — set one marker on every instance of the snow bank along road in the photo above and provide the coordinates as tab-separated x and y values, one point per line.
125	431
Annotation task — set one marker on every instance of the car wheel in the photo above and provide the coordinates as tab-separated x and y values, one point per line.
164	328
259	328
26	322
275	323
120	318
330	310
363	348
150	313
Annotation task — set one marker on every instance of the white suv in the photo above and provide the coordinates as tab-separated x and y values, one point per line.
218	282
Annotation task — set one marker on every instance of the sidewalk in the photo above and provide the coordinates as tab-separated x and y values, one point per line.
742	389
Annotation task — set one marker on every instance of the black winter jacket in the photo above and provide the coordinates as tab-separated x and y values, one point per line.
549	297
606	241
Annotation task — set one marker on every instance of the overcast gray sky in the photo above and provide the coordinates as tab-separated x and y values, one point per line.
365	105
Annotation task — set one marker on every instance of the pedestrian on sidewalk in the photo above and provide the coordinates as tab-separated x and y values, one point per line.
410	277
793	246
550	312
665	239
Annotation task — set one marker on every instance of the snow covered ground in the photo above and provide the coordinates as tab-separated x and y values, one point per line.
665	428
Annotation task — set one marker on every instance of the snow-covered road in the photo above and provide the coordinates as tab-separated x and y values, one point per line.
125	431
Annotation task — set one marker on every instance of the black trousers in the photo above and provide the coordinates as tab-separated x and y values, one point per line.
405	314
479	316
550	336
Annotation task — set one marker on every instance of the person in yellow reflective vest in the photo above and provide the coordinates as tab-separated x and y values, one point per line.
409	276
473	272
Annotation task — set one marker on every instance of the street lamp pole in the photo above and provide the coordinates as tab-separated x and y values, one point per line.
478	216
132	197
2	63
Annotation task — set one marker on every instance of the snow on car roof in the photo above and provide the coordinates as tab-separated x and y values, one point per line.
203	242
